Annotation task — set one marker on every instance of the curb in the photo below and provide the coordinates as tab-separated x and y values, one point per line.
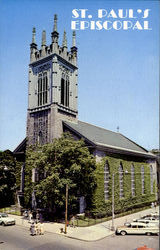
72	237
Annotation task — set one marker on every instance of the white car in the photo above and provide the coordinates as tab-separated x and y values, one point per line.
149	220
143	221
154	215
6	220
137	228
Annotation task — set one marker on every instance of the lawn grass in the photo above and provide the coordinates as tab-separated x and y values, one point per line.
92	221
11	210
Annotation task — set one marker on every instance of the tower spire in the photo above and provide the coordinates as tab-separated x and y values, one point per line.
64	44
74	39
43	38
43	45
55	23
34	35
33	45
55	34
74	48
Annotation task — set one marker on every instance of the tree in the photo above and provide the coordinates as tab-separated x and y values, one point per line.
7	178
65	161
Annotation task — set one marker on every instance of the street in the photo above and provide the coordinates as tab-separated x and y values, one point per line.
17	237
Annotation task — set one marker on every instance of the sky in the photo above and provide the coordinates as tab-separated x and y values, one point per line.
118	69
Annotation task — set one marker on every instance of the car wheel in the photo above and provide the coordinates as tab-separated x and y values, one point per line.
123	233
3	224
148	233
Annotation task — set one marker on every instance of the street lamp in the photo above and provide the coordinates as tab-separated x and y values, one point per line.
112	228
65	231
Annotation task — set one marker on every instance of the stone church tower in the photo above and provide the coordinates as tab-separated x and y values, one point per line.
52	87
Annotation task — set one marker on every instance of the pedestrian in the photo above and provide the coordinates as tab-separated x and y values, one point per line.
32	229
37	216
25	214
41	228
37	228
152	205
30	216
73	220
155	205
40	217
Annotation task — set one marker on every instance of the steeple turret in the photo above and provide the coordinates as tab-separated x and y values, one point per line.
74	48
55	23
64	44
43	38
34	35
43	45
33	45
55	34
74	39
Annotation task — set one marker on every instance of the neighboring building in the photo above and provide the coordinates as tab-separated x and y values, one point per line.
52	110
157	153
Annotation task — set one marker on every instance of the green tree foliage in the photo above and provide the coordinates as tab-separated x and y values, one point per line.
65	161
7	178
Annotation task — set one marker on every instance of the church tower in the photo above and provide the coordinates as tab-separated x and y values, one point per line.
52	87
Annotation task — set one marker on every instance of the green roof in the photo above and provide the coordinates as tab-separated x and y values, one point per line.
106	138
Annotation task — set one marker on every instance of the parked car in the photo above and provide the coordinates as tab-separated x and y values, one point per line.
137	228
150	220
6	220
148	223
143	221
155	215
150	217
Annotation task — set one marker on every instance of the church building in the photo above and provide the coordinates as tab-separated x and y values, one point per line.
53	109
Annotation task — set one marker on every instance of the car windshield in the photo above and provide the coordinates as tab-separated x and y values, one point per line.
129	225
4	215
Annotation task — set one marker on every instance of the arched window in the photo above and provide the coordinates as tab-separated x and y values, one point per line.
62	91
40	137
65	90
151	177
36	175
132	180
42	89
120	181
45	88
106	181
142	178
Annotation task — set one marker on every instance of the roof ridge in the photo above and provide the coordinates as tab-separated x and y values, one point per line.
105	136
100	127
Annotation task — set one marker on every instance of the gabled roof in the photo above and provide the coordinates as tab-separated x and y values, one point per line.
21	148
105	138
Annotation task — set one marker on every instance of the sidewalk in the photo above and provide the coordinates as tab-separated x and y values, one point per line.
91	233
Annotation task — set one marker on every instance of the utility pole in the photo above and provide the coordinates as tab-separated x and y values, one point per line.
112	228
66	209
